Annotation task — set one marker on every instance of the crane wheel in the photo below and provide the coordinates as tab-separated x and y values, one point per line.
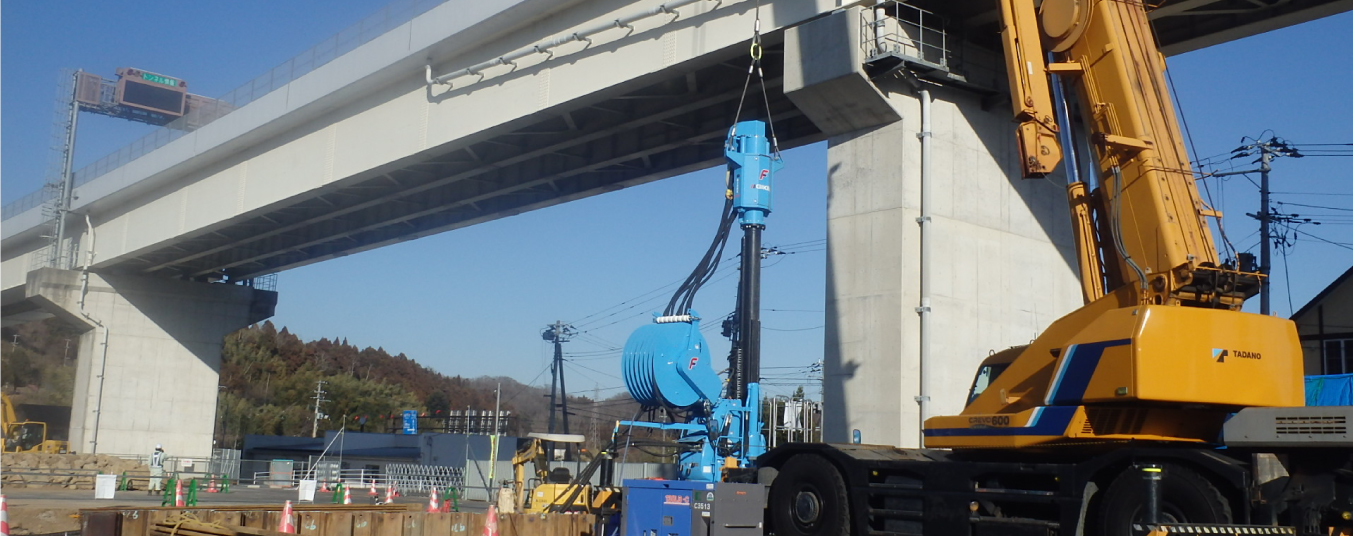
809	499
1186	497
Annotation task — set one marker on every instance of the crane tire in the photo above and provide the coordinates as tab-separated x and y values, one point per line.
1186	497
809	498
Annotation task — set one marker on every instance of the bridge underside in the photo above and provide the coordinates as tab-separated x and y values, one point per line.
655	127
624	137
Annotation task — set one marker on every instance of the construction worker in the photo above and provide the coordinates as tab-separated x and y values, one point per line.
156	470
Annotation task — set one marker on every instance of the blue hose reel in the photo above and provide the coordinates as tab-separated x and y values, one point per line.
667	364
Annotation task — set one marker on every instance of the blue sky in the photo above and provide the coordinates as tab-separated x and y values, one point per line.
472	302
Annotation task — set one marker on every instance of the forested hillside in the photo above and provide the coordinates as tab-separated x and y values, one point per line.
268	379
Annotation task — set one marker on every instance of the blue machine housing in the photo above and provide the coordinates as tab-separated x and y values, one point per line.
668	364
752	166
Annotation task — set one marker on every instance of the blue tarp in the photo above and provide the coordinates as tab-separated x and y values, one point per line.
1331	390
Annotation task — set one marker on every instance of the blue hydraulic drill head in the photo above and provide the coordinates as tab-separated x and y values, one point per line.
751	166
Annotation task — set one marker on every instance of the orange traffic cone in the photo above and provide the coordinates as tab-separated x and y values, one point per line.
178	493
4	517
347	495
491	521
324	486
211	488
389	494
286	524
373	492
432	502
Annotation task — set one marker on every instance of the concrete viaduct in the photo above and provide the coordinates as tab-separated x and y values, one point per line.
542	102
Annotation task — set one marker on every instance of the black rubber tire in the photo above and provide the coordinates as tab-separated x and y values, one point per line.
1186	497
809	498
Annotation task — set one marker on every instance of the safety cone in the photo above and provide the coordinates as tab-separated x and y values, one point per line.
211	487
397	493
178	493
491	521
347	495
286	524
373	492
389	494
4	517
432	502
324	486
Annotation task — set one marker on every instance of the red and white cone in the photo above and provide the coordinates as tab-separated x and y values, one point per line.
211	488
178	493
389	494
286	524
373	492
491	521
347	495
4	517
432	502
324	486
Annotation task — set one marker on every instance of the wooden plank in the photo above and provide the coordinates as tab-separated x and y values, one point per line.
436	524
312	523
220	517
340	524
363	524
413	524
252	519
460	524
514	525
157	516
390	524
133	523
100	523
272	519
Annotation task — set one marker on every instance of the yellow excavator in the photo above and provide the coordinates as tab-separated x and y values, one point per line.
547	487
26	436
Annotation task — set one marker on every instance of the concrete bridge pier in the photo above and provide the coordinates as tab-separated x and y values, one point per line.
1001	264
149	357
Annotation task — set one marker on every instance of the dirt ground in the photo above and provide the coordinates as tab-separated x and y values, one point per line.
46	511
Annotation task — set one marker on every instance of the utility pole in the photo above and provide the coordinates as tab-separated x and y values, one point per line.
558	333
67	185
1265	267
1267	150
493	441
319	397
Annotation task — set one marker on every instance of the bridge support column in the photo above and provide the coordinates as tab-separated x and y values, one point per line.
149	360
1002	260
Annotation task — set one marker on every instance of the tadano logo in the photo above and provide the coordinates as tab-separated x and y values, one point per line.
1220	354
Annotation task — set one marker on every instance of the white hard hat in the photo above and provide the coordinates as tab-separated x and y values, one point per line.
158	447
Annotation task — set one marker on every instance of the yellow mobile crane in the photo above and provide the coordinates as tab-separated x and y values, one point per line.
1157	407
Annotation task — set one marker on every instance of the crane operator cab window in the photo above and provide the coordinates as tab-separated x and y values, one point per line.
986	374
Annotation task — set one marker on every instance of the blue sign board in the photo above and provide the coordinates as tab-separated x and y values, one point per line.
410	422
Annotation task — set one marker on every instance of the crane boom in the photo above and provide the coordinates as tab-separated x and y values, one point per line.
1152	226
1146	357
